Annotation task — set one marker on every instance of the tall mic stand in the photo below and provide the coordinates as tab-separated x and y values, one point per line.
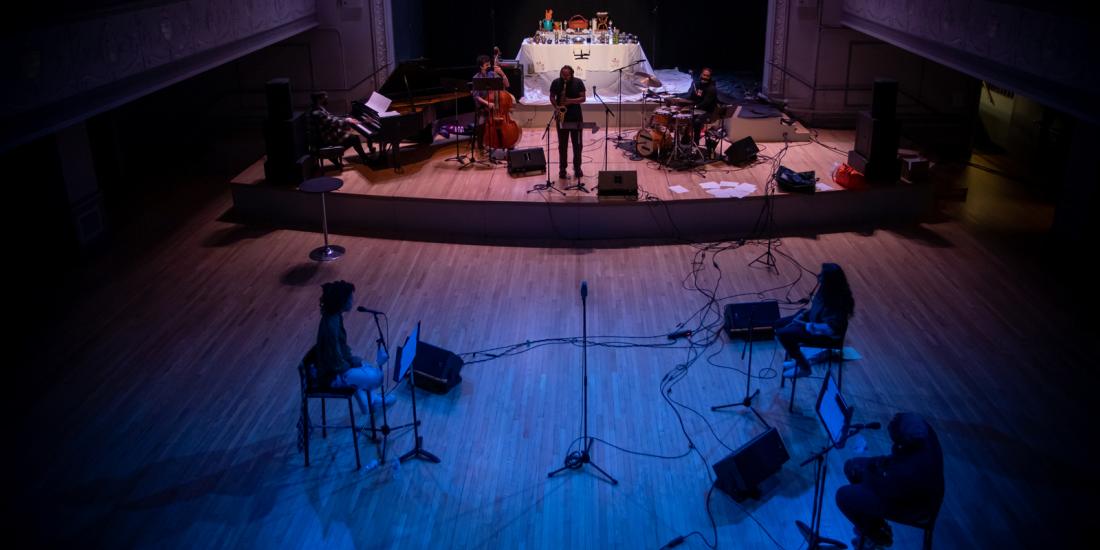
549	185
747	401
812	532
385	429
577	459
606	125
619	136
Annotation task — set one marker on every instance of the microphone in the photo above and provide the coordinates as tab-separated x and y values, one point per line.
366	310
584	290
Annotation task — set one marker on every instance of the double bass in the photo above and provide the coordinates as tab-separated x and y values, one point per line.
501	132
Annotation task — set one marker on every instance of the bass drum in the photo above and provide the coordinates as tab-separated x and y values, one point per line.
652	142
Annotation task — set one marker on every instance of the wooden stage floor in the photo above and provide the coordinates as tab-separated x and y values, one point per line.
434	199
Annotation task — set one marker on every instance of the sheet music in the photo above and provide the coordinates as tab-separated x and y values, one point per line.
380	103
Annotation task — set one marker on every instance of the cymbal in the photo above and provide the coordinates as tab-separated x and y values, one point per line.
678	101
647	80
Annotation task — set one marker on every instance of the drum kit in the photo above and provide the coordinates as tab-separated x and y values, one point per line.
668	134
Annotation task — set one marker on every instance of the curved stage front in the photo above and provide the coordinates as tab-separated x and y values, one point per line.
438	199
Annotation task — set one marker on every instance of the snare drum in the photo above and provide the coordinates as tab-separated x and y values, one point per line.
652	142
661	117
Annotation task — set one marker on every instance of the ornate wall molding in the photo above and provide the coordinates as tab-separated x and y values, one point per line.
777	62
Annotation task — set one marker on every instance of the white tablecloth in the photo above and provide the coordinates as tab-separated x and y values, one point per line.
595	64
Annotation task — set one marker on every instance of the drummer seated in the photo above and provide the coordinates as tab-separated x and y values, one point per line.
703	94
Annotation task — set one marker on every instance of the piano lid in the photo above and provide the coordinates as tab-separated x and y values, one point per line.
426	78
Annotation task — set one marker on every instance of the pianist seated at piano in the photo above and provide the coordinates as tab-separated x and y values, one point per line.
329	130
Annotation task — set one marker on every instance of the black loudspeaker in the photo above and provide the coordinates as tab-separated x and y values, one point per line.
882	170
740	473
617	184
742	151
514	71
437	370
286	145
531	159
884	98
877	138
279	103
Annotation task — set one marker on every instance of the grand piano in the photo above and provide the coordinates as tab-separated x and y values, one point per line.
418	93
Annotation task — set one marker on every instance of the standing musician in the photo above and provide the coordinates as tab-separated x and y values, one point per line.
704	96
483	99
568	93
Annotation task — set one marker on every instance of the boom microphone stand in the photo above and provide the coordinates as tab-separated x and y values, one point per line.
577	459
385	429
620	70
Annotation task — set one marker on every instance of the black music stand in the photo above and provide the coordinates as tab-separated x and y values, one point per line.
831	410
494	85
606	125
549	185
456	85
406	354
580	127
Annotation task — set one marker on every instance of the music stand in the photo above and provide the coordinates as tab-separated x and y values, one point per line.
494	85
836	417
406	354
456	85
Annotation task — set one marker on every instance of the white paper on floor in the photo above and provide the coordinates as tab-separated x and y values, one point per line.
709	185
678	189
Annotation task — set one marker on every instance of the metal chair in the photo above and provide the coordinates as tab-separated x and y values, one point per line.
834	348
311	389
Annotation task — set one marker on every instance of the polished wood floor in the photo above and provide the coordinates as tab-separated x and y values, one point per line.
169	412
428	175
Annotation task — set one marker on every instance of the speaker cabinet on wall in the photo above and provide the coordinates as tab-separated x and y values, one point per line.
279	102
884	98
876	138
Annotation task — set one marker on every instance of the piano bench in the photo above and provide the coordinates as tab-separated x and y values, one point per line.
333	154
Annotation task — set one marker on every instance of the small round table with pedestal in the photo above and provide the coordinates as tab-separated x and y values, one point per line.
323	186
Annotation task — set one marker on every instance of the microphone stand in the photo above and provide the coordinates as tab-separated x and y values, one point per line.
549	185
619	137
812	532
747	401
606	123
385	429
577	459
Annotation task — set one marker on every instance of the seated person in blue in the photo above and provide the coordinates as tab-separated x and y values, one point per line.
906	485
824	322
336	366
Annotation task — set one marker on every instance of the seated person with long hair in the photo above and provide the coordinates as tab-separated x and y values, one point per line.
336	366
905	485
823	323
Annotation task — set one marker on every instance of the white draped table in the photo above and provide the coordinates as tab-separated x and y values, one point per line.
595	64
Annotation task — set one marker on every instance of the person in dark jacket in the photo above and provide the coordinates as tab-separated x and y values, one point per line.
823	323
905	485
336	365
